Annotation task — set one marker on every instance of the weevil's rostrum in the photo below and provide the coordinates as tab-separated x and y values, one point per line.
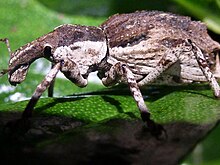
138	49
84	45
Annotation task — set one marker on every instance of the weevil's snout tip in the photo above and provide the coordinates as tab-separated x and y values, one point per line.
3	72
18	75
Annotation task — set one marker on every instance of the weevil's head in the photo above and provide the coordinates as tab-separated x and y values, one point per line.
82	44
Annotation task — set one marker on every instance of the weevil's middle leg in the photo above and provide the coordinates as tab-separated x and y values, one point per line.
136	93
51	87
40	89
121	71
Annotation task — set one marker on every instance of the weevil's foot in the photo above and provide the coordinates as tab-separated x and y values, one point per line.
155	129
17	127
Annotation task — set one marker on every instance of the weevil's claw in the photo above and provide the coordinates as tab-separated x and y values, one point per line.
17	127
155	129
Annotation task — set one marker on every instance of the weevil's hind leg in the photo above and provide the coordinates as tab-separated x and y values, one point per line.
40	89
121	71
51	87
200	57
136	93
166	61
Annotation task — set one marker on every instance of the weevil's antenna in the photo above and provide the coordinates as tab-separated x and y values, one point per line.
6	41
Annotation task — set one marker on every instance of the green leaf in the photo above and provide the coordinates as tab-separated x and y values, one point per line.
109	116
178	106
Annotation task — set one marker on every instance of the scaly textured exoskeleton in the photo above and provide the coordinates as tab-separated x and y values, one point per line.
138	49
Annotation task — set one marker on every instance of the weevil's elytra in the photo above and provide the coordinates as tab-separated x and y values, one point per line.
141	48
146	36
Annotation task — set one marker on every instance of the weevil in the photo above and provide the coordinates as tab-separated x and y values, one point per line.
138	49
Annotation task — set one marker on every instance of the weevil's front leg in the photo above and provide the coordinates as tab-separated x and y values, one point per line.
40	89
205	69
72	72
121	71
113	76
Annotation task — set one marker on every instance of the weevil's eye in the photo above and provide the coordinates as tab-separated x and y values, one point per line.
47	51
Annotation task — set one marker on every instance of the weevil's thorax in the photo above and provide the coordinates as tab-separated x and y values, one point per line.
141	39
84	45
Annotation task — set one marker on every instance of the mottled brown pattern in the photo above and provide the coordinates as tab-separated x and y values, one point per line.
69	34
128	29
171	42
138	49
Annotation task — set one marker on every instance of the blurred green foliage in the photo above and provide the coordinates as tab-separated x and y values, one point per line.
195	105
206	10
